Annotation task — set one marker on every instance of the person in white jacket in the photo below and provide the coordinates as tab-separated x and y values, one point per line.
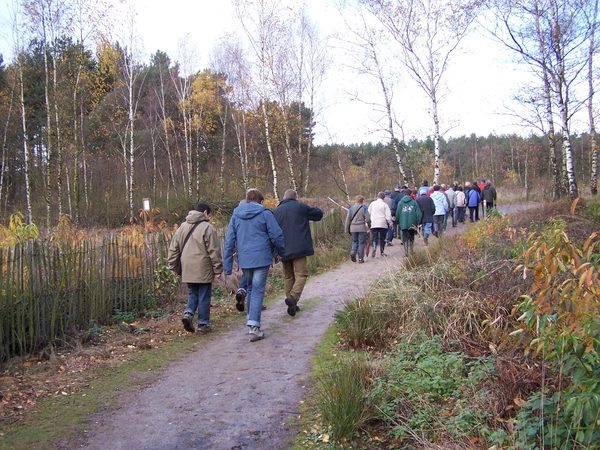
441	209
381	221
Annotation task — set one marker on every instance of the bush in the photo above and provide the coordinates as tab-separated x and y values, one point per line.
343	397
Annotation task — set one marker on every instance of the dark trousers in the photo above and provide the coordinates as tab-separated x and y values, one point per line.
473	211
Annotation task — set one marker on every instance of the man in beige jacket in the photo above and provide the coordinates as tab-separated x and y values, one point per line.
196	247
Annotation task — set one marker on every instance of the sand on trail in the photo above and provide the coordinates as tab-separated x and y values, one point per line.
229	393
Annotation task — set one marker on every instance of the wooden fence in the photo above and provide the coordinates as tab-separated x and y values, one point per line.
49	289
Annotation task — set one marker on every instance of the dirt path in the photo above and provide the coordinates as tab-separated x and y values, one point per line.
233	394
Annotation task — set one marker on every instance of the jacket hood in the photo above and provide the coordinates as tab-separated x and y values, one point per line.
248	210
406	199
196	216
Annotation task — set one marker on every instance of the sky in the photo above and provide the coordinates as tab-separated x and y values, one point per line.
481	80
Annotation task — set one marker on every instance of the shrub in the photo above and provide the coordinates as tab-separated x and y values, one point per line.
343	397
560	322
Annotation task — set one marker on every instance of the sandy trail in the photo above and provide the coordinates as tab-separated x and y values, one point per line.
233	394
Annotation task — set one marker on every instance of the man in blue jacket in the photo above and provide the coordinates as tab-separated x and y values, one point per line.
293	217
252	234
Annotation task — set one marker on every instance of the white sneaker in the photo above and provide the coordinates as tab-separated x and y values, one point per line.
256	334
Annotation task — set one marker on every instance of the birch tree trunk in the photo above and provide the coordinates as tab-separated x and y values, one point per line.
162	101
3	156
593	140
367	39
428	32
29	215
260	21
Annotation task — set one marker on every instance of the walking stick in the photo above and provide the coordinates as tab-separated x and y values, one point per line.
368	245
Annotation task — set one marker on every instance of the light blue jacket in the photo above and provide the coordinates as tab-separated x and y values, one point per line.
441	203
253	234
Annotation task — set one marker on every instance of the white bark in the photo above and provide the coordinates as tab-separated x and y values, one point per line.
428	32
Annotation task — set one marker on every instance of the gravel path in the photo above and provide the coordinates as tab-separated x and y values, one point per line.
233	394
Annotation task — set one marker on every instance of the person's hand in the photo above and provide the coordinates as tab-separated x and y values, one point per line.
279	258
217	275
175	273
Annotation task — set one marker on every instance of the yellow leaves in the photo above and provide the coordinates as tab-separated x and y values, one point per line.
573	205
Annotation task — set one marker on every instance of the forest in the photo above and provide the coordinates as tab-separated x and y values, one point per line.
90	129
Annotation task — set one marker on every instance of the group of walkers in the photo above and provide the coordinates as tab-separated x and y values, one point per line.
406	213
256	237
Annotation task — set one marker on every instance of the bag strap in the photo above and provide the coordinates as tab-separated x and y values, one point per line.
187	237
354	215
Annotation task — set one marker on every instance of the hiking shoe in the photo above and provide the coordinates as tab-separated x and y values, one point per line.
256	334
353	256
188	323
373	253
360	260
291	304
203	329
263	308
240	299
389	243
383	254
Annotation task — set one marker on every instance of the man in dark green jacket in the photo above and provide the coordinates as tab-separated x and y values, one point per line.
408	215
293	217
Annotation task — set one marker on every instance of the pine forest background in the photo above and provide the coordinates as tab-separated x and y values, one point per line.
89	129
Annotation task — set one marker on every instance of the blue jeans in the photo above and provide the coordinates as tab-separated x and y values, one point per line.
243	282
379	235
427	229
199	297
257	283
359	241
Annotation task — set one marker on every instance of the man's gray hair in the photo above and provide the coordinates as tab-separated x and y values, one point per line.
290	193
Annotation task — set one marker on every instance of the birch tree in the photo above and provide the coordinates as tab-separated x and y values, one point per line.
311	64
19	52
551	36
182	79
229	59
367	41
591	90
428	32
47	22
163	71
132	79
262	26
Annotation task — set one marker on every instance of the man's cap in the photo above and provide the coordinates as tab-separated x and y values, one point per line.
397	186
387	192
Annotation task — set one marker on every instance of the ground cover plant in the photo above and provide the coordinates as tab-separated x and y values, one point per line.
487	341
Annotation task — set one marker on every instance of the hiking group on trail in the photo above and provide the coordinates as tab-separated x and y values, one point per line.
257	236
406	213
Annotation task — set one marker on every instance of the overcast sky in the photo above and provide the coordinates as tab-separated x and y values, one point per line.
481	80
